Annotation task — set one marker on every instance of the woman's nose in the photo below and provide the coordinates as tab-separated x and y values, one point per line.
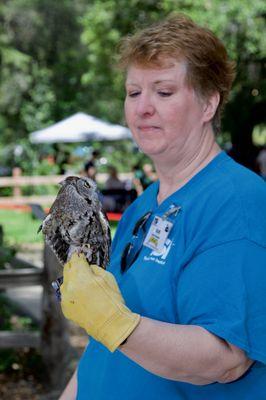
145	106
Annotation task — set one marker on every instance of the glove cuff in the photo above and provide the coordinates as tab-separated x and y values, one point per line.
117	329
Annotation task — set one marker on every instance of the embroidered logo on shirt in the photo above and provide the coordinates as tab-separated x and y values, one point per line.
160	256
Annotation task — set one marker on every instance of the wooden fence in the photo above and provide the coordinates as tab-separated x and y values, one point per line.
17	180
52	338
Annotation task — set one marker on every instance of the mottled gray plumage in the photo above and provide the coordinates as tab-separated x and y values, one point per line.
77	223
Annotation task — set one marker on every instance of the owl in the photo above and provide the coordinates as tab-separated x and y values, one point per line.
77	223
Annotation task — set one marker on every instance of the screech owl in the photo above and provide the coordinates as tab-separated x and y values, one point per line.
77	223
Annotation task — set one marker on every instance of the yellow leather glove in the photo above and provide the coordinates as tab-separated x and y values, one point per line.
92	299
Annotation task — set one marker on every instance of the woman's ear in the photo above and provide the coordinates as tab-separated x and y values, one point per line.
210	106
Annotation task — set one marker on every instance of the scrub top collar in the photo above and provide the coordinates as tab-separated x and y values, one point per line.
179	196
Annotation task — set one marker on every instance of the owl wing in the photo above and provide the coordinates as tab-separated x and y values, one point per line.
59	246
97	241
104	223
54	238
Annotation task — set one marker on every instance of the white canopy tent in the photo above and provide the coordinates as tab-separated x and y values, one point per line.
80	127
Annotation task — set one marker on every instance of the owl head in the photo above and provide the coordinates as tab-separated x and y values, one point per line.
85	187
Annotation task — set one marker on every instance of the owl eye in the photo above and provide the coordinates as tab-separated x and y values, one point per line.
86	184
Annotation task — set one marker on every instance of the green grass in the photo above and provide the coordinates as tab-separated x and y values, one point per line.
19	227
113	226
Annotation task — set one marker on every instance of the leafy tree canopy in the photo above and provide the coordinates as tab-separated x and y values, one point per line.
57	58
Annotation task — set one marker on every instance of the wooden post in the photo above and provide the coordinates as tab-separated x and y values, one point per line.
16	173
55	344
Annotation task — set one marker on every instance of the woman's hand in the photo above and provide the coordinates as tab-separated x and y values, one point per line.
91	298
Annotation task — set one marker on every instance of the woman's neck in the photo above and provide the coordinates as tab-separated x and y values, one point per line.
174	175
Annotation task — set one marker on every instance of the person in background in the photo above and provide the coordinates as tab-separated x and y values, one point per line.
143	177
113	181
180	312
114	191
149	172
90	169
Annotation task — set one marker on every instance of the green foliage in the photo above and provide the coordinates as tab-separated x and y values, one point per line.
259	134
40	55
19	153
121	154
29	158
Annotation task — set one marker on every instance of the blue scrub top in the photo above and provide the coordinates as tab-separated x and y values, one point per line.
211	273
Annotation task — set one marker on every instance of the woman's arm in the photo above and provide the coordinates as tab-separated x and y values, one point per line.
186	353
70	392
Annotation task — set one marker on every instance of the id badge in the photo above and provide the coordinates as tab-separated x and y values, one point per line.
158	233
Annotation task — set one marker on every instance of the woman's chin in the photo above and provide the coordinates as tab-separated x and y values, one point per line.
151	148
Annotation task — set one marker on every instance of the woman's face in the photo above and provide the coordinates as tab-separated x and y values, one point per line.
164	115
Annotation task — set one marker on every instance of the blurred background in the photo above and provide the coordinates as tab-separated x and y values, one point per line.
57	59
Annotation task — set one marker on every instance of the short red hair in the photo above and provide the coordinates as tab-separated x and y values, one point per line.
208	68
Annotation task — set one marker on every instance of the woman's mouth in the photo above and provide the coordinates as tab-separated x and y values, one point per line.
148	128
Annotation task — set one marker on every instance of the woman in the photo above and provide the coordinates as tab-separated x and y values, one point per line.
189	253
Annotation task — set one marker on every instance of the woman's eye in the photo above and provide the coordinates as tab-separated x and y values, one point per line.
164	93
133	94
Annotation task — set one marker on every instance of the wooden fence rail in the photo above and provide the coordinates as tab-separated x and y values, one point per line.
20	277
12	181
16	340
